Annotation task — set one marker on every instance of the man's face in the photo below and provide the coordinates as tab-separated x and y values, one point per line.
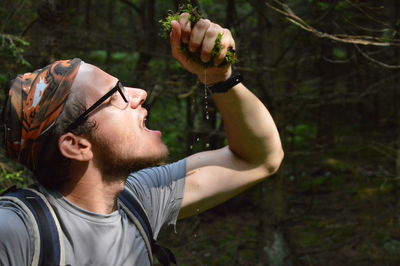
121	142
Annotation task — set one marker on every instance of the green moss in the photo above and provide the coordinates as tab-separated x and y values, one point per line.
166	24
194	16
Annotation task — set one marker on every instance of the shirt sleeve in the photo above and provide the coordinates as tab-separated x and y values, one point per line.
160	190
16	244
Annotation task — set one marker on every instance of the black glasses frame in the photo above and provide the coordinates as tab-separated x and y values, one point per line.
83	117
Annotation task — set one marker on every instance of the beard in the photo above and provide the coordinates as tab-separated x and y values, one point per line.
116	165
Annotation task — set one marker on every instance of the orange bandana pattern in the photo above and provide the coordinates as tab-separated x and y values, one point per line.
35	101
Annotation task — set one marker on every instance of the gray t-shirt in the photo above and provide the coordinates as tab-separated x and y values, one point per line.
94	239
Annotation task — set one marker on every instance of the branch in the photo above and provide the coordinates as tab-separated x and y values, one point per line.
11	39
367	14
354	39
376	61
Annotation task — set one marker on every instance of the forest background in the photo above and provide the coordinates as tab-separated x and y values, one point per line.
327	70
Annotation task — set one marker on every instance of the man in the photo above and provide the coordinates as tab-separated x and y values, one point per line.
82	161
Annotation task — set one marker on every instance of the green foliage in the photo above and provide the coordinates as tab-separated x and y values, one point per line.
194	16
3	78
300	135
353	102
174	131
8	179
98	56
309	238
342	5
319	181
339	53
12	49
207	2
166	24
323	6
387	34
392	245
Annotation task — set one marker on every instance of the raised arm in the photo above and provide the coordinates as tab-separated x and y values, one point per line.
254	149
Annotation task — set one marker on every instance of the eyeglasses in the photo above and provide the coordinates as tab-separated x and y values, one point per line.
120	102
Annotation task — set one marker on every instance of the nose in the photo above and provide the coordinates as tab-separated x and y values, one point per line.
137	97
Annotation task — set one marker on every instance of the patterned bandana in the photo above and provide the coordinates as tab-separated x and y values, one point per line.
35	101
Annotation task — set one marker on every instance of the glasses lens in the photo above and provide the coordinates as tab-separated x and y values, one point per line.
120	98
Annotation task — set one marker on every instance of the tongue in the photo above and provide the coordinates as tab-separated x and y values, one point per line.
155	132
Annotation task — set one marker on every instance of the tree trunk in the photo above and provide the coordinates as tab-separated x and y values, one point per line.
273	246
395	12
109	31
149	34
325	90
230	14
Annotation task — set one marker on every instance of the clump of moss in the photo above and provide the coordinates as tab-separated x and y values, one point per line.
194	16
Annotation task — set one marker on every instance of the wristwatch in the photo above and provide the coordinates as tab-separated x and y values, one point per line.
226	85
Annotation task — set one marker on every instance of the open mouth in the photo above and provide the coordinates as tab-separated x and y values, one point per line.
144	123
155	132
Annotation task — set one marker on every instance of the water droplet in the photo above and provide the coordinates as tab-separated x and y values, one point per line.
206	101
198	139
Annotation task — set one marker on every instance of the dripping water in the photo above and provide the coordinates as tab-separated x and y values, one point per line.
206	100
206	114
205	94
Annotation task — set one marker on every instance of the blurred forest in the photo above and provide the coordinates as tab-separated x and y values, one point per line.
328	71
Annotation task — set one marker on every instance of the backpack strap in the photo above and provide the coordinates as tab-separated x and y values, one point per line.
138	216
48	243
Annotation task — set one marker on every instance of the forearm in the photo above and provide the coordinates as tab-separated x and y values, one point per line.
251	132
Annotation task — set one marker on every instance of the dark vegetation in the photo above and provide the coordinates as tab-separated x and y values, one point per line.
332	86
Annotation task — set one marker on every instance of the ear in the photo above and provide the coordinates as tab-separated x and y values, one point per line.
75	147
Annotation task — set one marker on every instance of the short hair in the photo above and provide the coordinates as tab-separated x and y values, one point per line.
52	170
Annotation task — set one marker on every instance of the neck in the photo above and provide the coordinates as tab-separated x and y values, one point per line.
91	191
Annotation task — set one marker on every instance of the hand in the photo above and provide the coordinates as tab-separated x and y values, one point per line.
201	39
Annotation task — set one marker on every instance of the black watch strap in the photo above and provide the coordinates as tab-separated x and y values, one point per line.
226	85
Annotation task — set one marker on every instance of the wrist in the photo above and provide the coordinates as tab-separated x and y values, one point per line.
224	86
209	78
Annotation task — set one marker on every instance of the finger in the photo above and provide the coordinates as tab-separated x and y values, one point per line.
175	38
197	34
226	43
185	26
183	19
209	42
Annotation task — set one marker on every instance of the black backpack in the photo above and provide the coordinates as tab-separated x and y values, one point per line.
49	248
